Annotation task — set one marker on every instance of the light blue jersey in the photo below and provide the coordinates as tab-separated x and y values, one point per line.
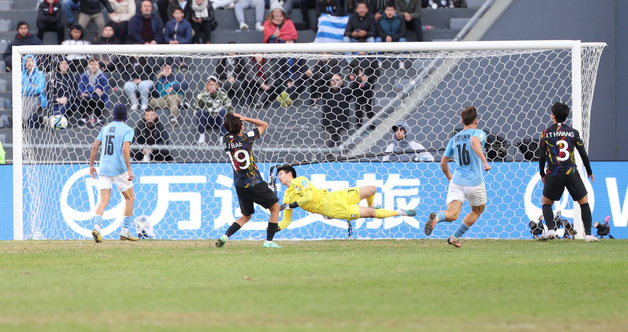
112	137
470	169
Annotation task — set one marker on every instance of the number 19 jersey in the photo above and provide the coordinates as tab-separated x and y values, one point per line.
240	151
469	165
112	137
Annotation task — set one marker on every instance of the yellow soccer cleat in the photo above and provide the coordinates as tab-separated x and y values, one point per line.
96	234
127	237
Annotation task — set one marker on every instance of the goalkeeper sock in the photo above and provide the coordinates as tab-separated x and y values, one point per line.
548	215
381	213
232	229
271	230
461	230
440	216
369	200
585	213
97	220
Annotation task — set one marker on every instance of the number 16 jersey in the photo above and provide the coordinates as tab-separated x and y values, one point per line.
469	165
240	151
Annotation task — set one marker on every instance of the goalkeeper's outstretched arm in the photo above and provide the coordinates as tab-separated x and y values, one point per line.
287	218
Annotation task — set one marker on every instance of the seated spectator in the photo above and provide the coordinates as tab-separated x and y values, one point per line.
63	87
93	92
123	11
202	20
141	70
49	19
263	75
239	8
145	27
149	131
361	25
109	61
401	143
211	107
278	28
23	37
169	89
77	62
390	27
68	7
373	6
410	11
34	98
91	11
336	108
178	30
231	70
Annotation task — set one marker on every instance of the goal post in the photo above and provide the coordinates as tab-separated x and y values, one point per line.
331	108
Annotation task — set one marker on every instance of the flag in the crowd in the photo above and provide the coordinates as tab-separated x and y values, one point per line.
331	29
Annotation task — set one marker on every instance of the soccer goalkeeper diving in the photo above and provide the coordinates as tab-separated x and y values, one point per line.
339	204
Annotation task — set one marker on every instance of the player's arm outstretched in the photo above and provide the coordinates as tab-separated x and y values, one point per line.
92	158
476	145
260	124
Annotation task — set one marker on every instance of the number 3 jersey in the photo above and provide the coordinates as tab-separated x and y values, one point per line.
112	138
469	170
240	151
558	144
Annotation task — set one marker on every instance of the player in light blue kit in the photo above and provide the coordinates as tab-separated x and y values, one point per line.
467	148
114	167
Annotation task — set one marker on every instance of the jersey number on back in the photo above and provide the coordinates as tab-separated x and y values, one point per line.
563	150
243	159
463	155
108	145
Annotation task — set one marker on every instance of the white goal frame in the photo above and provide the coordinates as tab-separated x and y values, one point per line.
19	51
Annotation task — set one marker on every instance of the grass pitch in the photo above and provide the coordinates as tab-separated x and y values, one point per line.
340	285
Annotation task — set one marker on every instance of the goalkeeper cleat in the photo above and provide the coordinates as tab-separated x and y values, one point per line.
431	223
591	238
126	236
96	234
407	213
221	241
452	240
270	244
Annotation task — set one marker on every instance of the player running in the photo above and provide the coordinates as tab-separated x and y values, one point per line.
340	204
250	186
468	179
114	167
557	148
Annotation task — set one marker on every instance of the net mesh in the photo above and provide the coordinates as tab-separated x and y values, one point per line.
331	114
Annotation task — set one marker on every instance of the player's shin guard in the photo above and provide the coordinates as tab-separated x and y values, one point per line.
548	215
271	230
232	229
585	213
381	213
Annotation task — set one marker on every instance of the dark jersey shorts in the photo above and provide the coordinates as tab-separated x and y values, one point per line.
259	193
555	186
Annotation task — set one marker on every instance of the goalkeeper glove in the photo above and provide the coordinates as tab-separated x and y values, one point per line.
288	206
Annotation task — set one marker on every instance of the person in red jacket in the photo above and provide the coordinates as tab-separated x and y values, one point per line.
278	28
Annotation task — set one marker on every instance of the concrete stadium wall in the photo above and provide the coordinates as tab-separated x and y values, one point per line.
594	21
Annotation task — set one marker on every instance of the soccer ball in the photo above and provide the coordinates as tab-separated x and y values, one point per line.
58	122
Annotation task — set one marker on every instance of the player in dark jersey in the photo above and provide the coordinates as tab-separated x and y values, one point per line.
250	186
558	145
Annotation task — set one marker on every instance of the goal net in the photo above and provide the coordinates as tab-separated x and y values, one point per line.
332	111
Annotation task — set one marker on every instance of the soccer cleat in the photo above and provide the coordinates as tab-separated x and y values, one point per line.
454	241
591	238
431	223
127	237
408	213
270	244
549	235
221	241
96	234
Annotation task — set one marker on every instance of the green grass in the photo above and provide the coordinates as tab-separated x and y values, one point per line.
340	285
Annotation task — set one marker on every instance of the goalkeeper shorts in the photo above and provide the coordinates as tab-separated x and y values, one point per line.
343	204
